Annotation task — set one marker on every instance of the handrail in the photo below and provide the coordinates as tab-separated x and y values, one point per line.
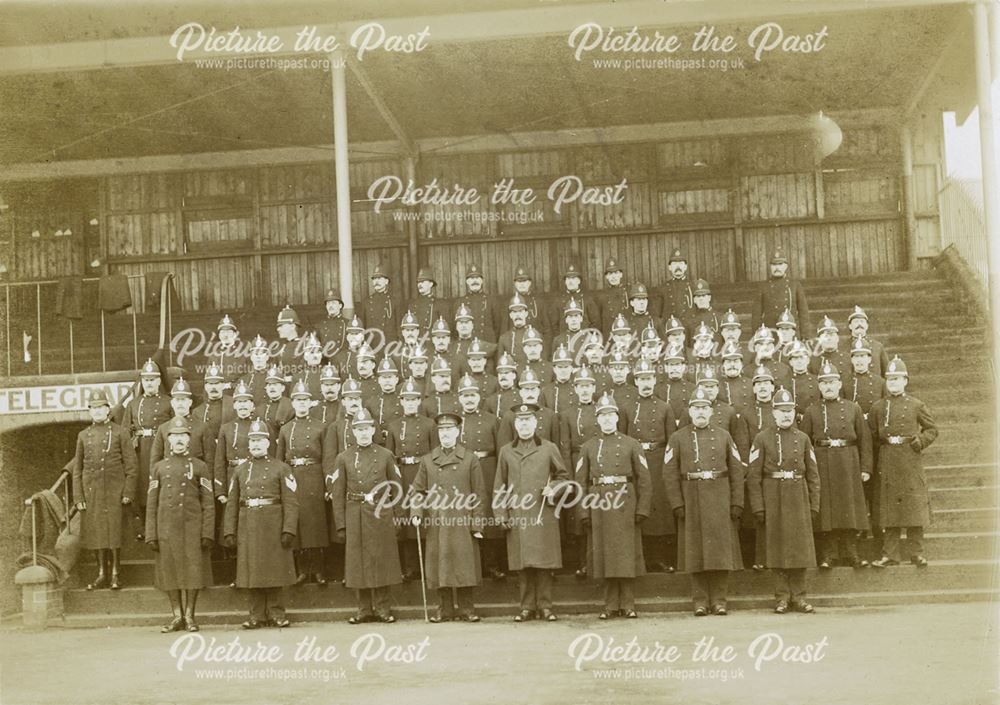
70	508
963	224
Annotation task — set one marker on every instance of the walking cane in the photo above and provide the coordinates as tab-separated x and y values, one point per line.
423	580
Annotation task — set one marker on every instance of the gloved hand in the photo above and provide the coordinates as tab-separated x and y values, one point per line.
229	541
916	444
735	513
759	516
154	545
865	477
341	534
207	543
126	500
679	513
287	539
81	506
477	534
222	499
815	519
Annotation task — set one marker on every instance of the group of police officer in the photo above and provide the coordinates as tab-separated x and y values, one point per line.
635	431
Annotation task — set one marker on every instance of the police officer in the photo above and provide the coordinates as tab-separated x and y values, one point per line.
479	436
531	467
262	514
290	343
650	420
379	310
217	407
615	476
256	377
365	488
276	410
524	290
427	307
676	294
454	518
557	394
409	438
702	313
902	427
512	339
104	483
325	410
858	324
614	296
479	306
332	330
200	443
506	394
386	405
778	293
312	360
579	425
783	487
143	415
307	446
571	291
843	447
226	354
640	316
180	527
704	487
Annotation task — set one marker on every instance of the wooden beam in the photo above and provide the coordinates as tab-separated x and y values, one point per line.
456	27
361	151
928	78
407	145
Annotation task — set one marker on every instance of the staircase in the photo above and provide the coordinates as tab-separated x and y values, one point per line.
916	315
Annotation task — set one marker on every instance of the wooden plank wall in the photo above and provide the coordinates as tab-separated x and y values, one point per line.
267	236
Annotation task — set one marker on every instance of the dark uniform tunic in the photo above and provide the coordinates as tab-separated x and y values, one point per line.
579	425
548	427
332	333
201	445
525	468
843	447
651	422
512	342
736	391
409	438
676	298
386	408
371	557
485	316
451	552
232	365
345	436
104	472
607	463
777	294
255	381
556	311
558	396
380	313
865	389
624	394
901	489
501	401
675	392
289	357
143	415
704	475
275	413
307	447
231	451
788	502
614	301
804	389
262	505
180	512
213	413
479	436
427	309
325	411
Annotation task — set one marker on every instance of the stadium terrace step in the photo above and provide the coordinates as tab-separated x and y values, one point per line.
655	592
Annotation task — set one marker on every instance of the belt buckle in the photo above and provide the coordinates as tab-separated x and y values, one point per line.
368	498
647	445
251	503
837	443
895	440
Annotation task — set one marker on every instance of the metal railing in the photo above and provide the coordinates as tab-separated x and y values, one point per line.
31	307
963	224
61	485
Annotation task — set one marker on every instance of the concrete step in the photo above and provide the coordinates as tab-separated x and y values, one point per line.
956	545
964	497
964	520
961	475
503	612
659	588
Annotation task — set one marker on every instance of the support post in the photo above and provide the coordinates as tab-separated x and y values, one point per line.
909	211
345	248
413	260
